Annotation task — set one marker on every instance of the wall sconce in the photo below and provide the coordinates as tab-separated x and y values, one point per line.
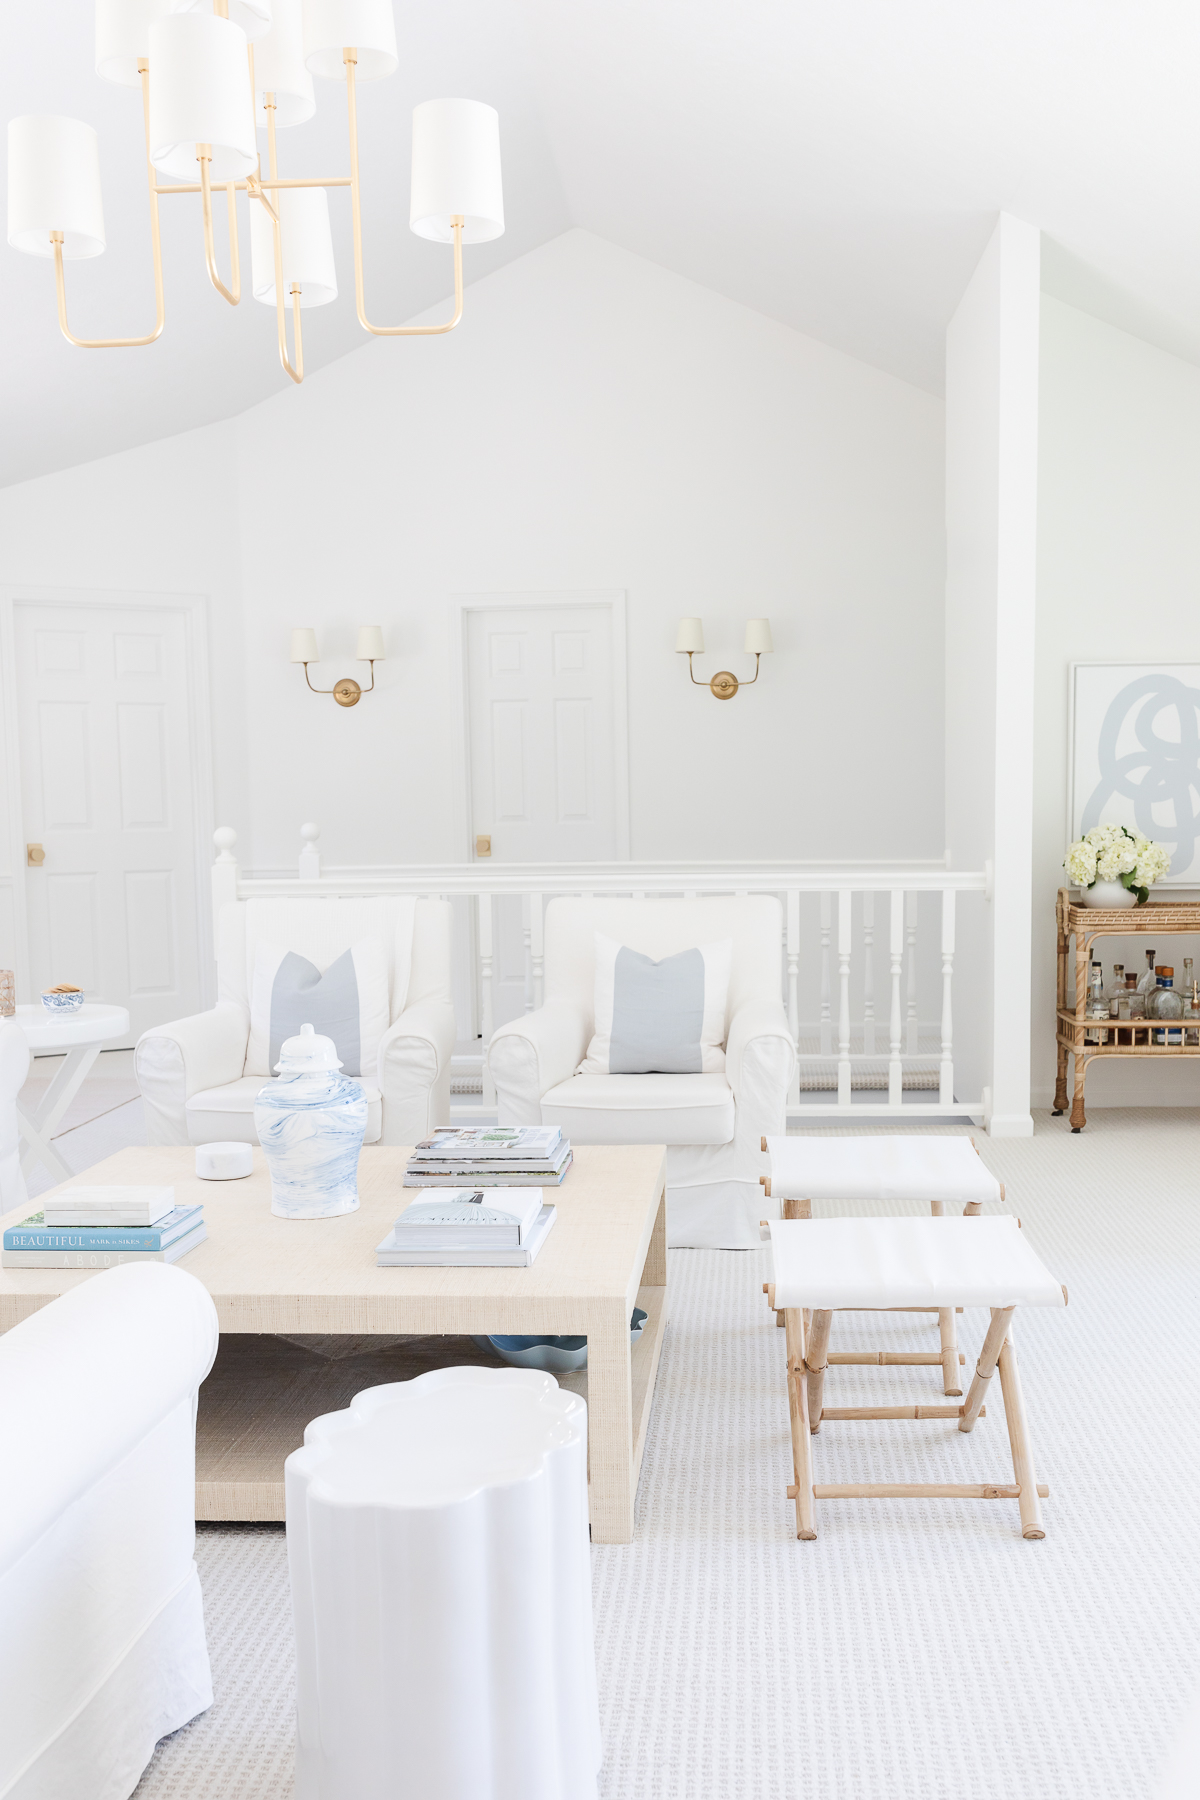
689	642
370	650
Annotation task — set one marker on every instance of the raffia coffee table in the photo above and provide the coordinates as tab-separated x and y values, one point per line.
317	1280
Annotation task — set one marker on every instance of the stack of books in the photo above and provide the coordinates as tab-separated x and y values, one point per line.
468	1228
100	1227
490	1156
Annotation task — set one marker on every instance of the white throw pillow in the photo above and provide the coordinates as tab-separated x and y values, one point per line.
665	1017
348	1002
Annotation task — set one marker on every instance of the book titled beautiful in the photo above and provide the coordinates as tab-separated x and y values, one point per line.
37	1233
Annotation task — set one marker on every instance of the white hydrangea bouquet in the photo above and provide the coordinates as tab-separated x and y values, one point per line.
1109	855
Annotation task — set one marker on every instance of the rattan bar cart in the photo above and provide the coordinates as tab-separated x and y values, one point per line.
1088	1039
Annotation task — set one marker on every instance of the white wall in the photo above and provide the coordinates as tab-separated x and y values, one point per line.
1118	578
595	423
991	511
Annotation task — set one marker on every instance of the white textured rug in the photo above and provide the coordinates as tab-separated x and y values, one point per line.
918	1650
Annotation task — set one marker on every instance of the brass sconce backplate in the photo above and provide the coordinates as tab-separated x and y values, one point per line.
347	692
724	685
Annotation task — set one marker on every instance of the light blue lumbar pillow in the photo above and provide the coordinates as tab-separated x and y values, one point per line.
665	1017
347	1002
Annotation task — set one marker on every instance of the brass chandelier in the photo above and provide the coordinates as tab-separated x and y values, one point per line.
210	80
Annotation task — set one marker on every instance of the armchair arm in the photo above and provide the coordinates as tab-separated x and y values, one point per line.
186	1057
414	1071
530	1055
760	1060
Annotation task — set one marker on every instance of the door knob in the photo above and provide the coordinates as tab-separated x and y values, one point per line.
35	856
483	846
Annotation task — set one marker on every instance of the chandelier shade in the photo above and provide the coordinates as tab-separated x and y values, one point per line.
254	16
123	36
307	246
279	68
200	94
54	185
368	25
456	171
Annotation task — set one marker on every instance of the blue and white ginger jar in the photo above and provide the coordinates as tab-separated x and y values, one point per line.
310	1123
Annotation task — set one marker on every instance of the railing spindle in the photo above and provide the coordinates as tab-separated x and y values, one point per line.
946	1082
792	948
826	985
912	1034
844	898
896	955
537	947
486	1010
868	936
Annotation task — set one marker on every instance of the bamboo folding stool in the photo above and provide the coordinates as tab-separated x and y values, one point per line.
828	1265
943	1171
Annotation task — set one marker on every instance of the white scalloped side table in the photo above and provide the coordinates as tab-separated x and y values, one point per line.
437	1536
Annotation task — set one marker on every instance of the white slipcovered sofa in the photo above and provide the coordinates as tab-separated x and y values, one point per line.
196	1084
711	1124
102	1647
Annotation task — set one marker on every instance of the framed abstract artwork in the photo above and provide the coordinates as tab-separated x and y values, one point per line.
1134	739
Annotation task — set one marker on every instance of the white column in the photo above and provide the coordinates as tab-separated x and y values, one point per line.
486	1013
896	958
946	1073
991	584
844	898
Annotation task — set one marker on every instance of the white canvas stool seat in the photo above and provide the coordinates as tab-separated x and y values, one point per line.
437	1535
941	1172
824	1264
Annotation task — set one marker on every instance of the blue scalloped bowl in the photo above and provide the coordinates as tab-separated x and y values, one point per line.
552	1355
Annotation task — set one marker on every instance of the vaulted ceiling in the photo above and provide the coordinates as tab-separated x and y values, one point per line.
838	167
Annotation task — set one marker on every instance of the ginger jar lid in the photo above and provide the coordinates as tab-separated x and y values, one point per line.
307	1054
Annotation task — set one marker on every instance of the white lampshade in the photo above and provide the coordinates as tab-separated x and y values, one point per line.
370	644
758	637
123	36
54	185
304	645
307	246
331	25
254	16
456	169
690	636
279	68
200	94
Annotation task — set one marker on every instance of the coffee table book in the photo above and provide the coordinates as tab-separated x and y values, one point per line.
283	1284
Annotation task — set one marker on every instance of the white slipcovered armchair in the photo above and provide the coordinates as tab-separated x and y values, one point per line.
102	1646
712	1124
196	1084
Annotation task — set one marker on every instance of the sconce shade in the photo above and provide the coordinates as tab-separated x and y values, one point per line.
456	169
758	637
279	68
254	16
304	645
307	247
123	36
370	644
690	636
54	185
330	25
200	94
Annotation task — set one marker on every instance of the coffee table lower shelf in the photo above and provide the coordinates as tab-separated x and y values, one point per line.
263	1391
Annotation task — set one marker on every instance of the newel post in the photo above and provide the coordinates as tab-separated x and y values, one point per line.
224	877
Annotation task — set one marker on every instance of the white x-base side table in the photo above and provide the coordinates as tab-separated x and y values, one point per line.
81	1035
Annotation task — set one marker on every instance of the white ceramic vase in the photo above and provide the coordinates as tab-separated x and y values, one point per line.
310	1124
1112	894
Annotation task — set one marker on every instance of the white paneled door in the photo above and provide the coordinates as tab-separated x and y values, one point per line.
106	746
546	725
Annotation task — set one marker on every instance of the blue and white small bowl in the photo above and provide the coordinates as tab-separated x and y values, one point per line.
552	1355
62	1003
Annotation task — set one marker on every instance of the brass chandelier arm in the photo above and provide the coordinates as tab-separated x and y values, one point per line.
350	59
234	293
366	690
754	677
692	672
296	373
160	310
